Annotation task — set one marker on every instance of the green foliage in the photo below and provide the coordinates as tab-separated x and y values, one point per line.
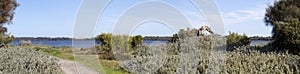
175	38
105	51
7	8
234	40
112	67
284	16
105	39
16	60
136	41
110	43
60	52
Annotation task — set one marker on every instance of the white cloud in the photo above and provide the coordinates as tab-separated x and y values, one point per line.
244	15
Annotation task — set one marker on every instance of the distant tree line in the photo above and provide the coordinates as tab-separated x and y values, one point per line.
165	38
260	38
42	38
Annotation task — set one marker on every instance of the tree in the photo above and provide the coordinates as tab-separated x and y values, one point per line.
105	39
136	41
284	16
7	8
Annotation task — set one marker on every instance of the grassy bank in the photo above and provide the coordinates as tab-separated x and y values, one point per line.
109	66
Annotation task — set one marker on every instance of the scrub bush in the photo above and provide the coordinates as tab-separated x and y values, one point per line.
234	40
207	54
197	56
17	60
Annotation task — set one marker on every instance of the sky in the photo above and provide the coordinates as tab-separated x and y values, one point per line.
56	18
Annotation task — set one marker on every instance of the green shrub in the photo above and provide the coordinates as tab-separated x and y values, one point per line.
105	40
136	41
175	38
17	60
234	40
111	43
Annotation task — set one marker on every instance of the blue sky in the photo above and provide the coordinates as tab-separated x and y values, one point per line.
55	18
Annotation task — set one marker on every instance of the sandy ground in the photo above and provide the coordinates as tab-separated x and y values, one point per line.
72	67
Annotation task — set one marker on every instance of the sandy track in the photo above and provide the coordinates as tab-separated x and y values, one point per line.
72	67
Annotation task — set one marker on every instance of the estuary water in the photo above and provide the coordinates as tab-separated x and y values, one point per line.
90	43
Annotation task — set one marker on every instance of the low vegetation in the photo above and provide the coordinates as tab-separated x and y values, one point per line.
195	56
19	60
191	54
108	41
61	52
109	66
185	54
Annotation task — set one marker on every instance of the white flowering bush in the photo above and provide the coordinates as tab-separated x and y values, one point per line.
18	60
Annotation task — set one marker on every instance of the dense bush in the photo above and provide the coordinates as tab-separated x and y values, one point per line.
175	38
17	60
110	42
104	54
136	41
105	39
196	56
206	54
244	60
234	40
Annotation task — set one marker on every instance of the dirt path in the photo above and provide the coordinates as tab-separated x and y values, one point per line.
69	67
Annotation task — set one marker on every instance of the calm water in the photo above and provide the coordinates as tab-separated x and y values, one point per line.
254	42
60	43
76	43
90	43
